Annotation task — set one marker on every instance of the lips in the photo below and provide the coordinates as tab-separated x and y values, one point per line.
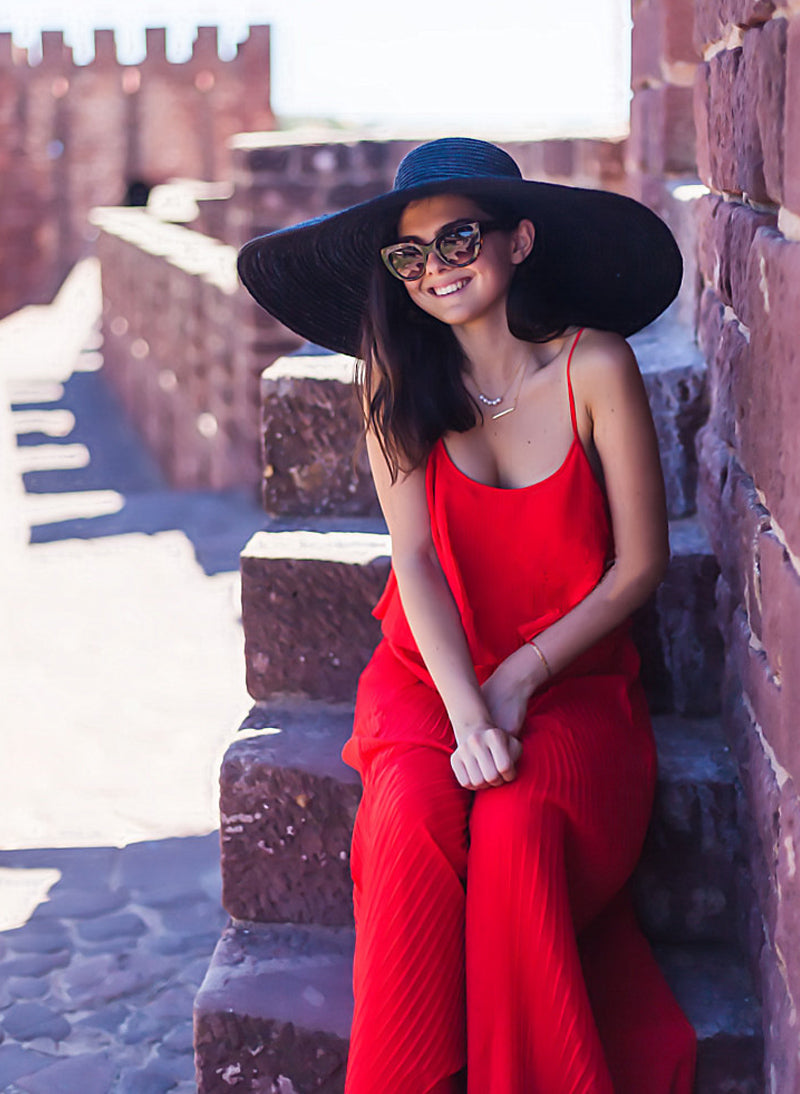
448	290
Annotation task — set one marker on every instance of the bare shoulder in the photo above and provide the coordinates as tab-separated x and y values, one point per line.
604	368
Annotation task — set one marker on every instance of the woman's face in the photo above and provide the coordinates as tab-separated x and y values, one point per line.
463	295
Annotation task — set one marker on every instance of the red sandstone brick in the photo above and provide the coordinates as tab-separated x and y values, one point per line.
677	29
645	45
769	90
725	231
780	598
713	17
722	73
662	130
701	104
791	166
747	136
770	439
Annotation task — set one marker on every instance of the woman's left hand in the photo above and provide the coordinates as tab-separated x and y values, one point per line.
508	690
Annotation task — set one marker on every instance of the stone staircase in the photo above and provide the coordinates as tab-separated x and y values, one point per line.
273	1014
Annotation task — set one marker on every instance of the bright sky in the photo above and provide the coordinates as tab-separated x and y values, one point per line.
512	65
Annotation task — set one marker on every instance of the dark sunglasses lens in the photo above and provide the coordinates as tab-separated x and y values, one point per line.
407	261
459	246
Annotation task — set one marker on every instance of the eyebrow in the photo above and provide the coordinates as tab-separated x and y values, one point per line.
444	227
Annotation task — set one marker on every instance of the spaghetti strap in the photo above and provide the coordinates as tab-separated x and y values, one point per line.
572	413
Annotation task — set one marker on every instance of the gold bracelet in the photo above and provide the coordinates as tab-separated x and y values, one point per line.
542	658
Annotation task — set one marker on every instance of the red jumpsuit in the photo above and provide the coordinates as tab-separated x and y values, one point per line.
494	933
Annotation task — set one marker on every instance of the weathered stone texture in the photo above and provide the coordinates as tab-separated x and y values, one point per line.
770	440
753	708
678	401
687	881
275	1002
712	18
662	137
314	459
288	804
791	177
739	111
307	600
181	371
676	631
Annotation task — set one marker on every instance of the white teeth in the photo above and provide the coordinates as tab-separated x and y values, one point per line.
447	289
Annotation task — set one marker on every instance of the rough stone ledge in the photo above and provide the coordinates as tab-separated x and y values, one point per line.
308	595
307	600
288	805
277	1002
687	883
289	802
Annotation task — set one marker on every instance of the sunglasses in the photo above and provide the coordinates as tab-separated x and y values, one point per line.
457	244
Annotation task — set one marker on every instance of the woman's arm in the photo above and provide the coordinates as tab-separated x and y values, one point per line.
607	382
484	755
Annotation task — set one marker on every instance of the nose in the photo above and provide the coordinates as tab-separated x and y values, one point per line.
437	266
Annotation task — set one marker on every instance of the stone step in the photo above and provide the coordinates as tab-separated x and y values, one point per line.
307	597
288	803
274	1012
311	423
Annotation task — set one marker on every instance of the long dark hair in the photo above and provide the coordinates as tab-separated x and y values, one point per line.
411	386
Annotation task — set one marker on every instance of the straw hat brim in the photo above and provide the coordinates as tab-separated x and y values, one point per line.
615	263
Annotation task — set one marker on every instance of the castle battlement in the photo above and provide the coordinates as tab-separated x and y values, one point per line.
56	55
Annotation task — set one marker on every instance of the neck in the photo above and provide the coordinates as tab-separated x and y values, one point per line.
493	353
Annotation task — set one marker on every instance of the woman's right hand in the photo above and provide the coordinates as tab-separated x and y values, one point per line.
485	757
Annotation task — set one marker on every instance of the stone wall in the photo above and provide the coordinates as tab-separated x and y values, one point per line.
747	110
660	156
171	351
76	136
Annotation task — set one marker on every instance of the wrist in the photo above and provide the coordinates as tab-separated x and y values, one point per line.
534	665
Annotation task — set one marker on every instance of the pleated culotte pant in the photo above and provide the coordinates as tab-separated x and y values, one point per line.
496	948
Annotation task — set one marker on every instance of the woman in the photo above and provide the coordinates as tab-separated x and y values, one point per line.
501	731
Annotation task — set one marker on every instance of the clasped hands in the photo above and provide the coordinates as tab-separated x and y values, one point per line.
487	752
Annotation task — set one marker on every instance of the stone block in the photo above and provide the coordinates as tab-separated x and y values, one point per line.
314	459
307	599
726	232
714	17
678	401
766	50
770	441
791	165
702	105
716	993
276	1004
676	631
686	884
746	131
662	130
288	804
722	75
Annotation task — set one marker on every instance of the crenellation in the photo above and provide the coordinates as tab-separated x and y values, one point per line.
78	136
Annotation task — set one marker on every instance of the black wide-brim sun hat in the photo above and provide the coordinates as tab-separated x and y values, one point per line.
612	261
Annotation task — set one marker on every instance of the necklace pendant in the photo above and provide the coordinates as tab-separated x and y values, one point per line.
502	413
489	402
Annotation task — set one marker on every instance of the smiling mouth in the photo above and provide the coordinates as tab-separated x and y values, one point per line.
447	290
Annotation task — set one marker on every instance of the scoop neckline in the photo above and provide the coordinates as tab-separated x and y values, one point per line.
511	489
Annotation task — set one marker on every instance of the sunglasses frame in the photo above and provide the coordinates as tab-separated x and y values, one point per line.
482	227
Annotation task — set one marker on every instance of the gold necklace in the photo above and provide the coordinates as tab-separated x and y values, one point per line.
496	402
513	407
